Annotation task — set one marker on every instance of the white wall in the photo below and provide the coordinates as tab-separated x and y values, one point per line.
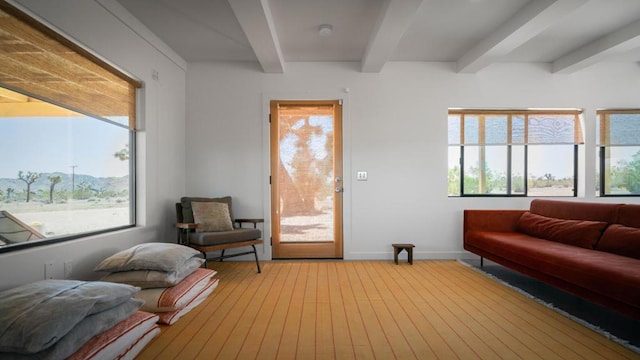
100	27
394	127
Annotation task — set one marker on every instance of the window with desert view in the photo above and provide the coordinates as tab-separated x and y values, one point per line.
62	174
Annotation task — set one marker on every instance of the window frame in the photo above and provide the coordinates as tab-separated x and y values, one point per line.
525	113
108	81
602	145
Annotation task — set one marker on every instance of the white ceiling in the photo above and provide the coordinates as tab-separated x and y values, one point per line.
568	34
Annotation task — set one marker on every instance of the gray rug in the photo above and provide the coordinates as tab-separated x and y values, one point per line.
611	324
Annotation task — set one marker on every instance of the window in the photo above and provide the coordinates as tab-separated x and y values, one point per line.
67	121
513	152
618	140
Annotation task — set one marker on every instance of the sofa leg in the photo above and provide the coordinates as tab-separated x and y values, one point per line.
481	261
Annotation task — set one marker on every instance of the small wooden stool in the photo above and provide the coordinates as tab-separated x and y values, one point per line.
397	248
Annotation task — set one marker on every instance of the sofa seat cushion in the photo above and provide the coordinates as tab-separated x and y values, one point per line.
573	232
224	237
604	273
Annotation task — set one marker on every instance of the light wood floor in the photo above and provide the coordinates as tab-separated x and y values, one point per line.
372	310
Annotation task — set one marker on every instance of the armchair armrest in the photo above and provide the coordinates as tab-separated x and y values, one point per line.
183	231
186	226
249	221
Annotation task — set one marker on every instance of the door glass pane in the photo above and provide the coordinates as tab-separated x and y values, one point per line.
306	181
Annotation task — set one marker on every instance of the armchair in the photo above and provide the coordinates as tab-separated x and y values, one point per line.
207	225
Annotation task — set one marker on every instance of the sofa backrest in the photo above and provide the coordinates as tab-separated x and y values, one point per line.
571	210
629	215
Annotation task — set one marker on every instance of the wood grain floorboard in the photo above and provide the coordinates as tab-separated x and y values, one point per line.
372	310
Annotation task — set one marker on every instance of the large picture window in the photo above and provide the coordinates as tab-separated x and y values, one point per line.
513	152
68	149
618	140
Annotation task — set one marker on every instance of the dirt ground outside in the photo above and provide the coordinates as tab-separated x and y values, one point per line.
72	217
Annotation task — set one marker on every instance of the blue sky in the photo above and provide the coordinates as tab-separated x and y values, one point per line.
55	144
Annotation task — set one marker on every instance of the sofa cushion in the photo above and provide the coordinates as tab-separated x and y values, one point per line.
621	240
187	211
629	215
575	210
211	216
580	233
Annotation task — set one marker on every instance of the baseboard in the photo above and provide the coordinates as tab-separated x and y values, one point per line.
417	255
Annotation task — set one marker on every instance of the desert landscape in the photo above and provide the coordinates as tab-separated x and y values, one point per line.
72	216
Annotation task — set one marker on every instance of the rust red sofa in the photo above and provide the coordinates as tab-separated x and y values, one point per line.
589	249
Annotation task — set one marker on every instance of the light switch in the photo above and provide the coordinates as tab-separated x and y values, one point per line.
361	176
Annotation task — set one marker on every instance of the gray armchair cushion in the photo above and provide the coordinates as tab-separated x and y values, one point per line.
224	237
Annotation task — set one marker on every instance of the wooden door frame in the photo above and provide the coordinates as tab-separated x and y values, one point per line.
333	249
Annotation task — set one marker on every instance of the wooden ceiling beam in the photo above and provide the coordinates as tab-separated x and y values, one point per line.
619	41
535	17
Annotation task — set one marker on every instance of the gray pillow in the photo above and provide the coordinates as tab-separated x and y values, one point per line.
35	316
86	329
187	210
211	216
149	256
146	279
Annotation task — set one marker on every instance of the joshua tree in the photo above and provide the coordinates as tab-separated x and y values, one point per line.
123	154
54	181
29	178
10	192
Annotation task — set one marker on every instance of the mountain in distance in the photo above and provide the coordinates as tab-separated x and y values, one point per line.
43	183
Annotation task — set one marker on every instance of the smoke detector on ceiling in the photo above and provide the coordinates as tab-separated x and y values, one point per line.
325	30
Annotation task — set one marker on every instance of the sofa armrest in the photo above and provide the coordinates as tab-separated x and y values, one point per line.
491	220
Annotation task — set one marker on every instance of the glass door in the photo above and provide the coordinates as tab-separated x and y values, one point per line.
306	179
